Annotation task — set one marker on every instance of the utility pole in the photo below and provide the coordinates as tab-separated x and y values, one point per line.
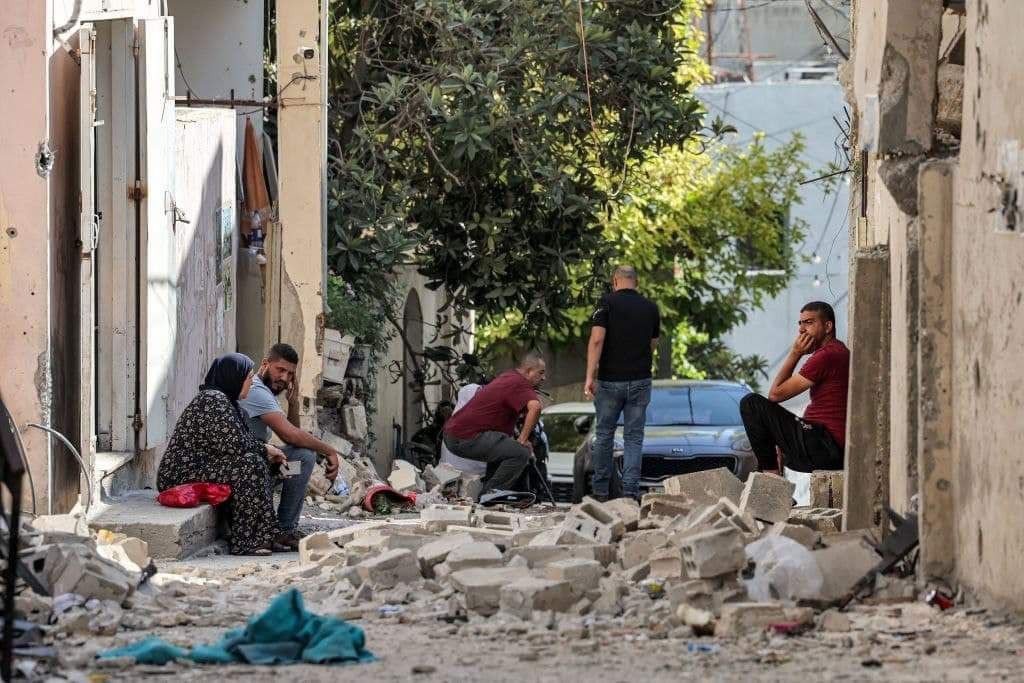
746	51
710	42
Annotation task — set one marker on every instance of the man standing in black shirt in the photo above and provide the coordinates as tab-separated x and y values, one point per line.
626	327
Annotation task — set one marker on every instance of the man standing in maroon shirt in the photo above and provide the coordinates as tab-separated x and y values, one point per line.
816	441
483	429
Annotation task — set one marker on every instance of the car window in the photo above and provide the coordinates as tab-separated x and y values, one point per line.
699	405
561	431
717	406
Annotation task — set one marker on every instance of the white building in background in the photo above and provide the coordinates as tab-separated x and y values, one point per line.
794	89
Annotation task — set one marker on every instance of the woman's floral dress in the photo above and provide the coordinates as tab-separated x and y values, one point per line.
211	444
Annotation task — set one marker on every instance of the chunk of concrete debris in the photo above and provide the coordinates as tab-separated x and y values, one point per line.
315	547
824	520
564	534
341	537
609	601
626	509
499	537
826	488
706	487
67	524
665	505
389	569
76	568
482	587
471	486
667	563
582	575
713	553
523	597
843	565
404	476
507	521
440	475
354	419
543	555
702	621
695	592
742	618
590	520
435	552
132	554
440	517
834	622
804	535
767	497
475	554
637	572
636	548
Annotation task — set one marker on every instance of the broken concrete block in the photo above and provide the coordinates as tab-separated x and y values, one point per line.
609	601
441	475
826	489
410	541
389	569
341	537
435	552
742	618
314	547
825	520
471	486
713	553
353	418
500	520
698	593
834	622
543	555
738	518
665	505
524	596
637	573
667	563
404	476
499	537
581	574
843	565
702	621
440	517
706	487
804	535
522	537
637	547
768	497
482	587
626	509
132	554
67	524
475	554
595	524
564	534
342	446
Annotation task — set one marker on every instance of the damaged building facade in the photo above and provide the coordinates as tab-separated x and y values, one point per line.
936	301
122	272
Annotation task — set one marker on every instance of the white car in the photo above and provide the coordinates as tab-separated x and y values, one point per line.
563	441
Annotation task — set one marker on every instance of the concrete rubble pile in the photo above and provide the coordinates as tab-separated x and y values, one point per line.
685	556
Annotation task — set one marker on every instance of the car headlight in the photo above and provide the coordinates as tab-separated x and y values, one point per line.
741	443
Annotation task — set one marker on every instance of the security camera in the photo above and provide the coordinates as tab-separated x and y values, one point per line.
308	52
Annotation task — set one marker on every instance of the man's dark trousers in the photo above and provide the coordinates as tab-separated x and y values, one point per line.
805	447
506	455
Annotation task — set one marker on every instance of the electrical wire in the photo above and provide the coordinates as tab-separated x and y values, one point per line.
74	451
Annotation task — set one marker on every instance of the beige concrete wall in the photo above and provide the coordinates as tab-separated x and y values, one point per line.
988	309
24	200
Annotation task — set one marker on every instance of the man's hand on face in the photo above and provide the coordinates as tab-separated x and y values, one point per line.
293	392
803	345
332	466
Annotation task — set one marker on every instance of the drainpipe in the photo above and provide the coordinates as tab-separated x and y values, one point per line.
324	11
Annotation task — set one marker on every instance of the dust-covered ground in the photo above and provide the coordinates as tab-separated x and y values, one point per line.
414	636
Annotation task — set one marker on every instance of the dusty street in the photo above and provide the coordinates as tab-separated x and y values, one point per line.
408	630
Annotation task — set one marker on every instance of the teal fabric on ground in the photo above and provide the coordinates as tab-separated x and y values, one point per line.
149	651
283	634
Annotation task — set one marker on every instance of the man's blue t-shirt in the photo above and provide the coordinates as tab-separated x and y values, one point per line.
260	401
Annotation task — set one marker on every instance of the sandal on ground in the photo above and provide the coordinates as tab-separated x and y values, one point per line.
289	539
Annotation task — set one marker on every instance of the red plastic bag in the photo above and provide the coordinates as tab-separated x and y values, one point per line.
191	495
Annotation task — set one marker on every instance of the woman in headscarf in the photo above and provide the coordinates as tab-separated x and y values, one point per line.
211	443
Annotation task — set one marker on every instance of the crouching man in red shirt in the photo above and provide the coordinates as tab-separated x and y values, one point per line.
483	429
816	441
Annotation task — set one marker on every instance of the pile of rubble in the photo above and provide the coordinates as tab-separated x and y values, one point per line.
723	558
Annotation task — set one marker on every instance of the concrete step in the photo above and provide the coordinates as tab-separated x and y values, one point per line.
170	532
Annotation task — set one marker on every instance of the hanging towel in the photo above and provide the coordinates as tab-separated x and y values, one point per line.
284	634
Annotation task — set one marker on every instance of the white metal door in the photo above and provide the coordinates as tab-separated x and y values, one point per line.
157	278
87	233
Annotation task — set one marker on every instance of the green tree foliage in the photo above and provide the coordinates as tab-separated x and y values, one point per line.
485	142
